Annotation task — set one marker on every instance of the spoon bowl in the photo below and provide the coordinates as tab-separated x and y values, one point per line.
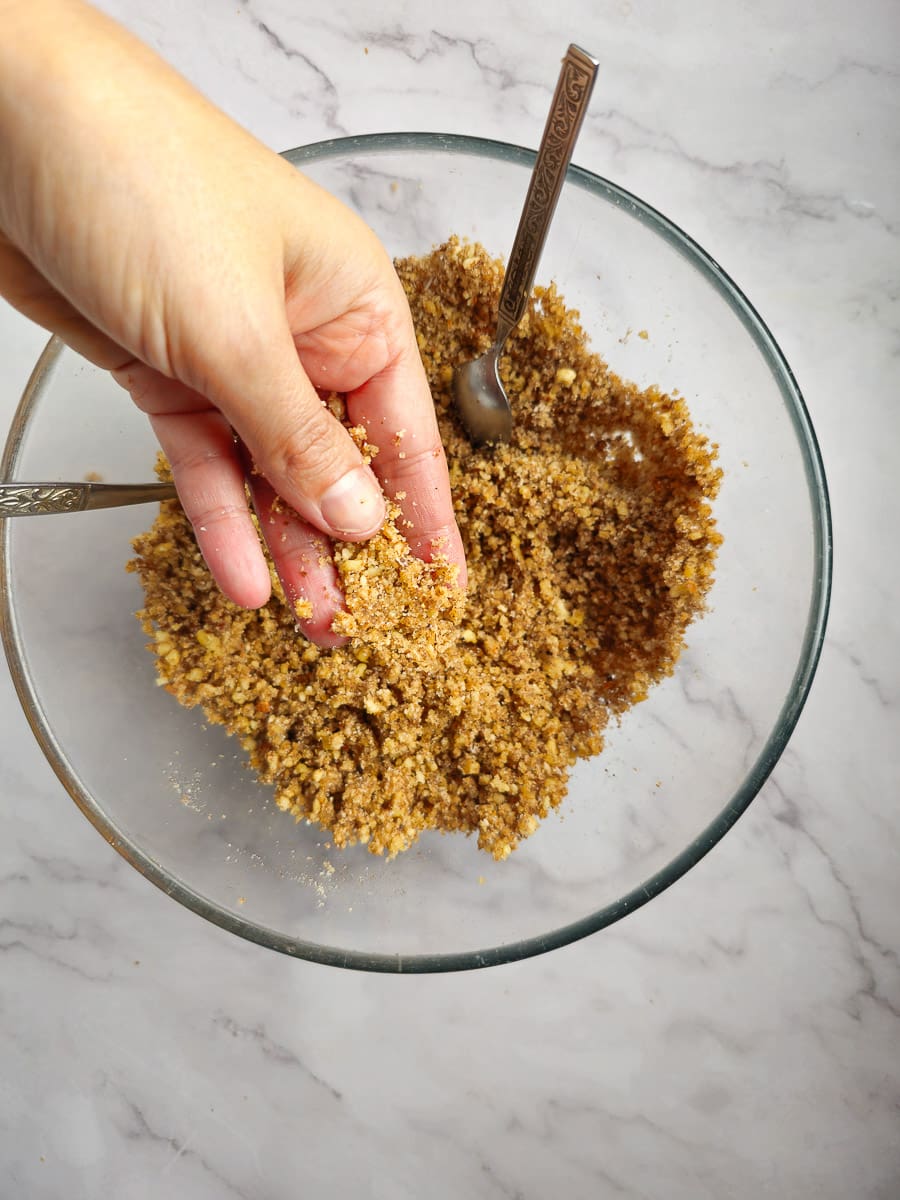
481	400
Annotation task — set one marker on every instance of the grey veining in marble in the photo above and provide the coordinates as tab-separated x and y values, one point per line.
740	1036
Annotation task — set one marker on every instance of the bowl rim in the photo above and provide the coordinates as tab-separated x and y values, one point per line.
757	774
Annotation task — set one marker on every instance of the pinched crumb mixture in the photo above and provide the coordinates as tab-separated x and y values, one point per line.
590	544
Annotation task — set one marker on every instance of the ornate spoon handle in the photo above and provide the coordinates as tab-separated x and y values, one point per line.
570	101
47	499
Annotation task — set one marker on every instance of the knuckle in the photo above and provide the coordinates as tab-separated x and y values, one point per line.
408	464
190	462
138	381
249	337
311	448
204	517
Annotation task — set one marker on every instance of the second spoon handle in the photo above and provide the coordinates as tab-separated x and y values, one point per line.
48	499
570	101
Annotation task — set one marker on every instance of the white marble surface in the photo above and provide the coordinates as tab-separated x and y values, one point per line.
737	1038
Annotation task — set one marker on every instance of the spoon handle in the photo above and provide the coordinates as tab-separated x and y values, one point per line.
47	499
570	101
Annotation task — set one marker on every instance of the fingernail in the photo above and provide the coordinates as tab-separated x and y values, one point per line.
353	505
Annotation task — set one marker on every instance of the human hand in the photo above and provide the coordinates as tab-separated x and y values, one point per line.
221	288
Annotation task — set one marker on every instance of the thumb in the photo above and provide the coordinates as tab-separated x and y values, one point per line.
303	451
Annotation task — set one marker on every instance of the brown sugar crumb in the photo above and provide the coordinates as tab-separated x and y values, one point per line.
590	545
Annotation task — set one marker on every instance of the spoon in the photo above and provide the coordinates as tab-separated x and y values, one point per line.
481	402
47	499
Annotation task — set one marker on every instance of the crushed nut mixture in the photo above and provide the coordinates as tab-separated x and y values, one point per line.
590	545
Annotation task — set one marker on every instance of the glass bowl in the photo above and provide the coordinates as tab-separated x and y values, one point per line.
173	796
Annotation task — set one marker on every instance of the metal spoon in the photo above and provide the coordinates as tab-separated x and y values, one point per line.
47	499
481	401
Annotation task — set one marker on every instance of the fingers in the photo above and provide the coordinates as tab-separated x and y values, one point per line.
307	455
197	441
210	481
302	558
209	470
397	410
368	352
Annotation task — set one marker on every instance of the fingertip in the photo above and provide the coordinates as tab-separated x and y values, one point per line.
253	594
241	573
303	560
318	630
210	483
447	543
315	599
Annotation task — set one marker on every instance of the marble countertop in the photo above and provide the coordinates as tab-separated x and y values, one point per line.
737	1037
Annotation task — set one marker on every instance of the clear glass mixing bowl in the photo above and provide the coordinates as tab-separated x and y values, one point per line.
172	795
